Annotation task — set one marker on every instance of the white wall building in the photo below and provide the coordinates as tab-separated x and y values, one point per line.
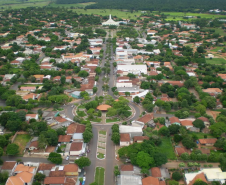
135	69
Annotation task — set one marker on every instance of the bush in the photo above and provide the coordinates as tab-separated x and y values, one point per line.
177	176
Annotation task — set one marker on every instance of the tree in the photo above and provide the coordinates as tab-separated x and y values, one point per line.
177	138
87	136
160	159
116	171
173	182
93	183
94	90
115	128
177	176
114	89
144	160
164	131
83	74
1	151
127	93
201	109
3	141
184	103
39	177
174	128
185	156
199	182
82	162
83	94
136	99
55	158
188	142
210	101
115	137
12	149
198	123
40	112
4	176
42	142
63	79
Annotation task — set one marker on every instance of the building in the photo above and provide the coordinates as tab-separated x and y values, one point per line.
127	169
31	116
152	181
133	131
125	139
55	180
9	167
140	139
134	69
77	148
110	22
208	141
129	180
64	139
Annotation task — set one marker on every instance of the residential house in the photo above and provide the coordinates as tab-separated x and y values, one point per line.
208	141
134	69
222	76
147	119
125	139
180	150
28	88
31	116
186	123
212	91
62	121
127	169
174	120
205	120
129	179
155	172
140	139
9	166
71	170
55	180
33	145
214	174
152	181
78	134
191	178
77	148
45	168
64	139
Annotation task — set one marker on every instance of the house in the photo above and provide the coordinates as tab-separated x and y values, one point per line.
174	120
147	119
214	174
133	131
140	139
45	168
62	121
64	139
77	148
214	91
71	170
28	88
71	129
205	120
129	179
155	172
152	181
190	178
33	144
54	180
125	139
222	76
180	150
208	141
31	116
127	169
78	134
23	175
9	167
186	123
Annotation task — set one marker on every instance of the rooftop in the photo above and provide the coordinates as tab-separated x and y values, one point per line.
125	137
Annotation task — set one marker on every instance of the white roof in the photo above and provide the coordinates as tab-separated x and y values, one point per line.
129	129
130	180
214	173
190	176
131	67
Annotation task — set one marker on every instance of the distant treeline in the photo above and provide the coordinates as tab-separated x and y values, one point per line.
153	5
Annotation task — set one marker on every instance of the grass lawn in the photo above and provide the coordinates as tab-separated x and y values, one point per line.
98	120
112	120
82	106
24	5
81	113
217	49
167	148
14	70
62	147
100	155
215	61
103	132
31	85
21	140
76	5
99	175
200	135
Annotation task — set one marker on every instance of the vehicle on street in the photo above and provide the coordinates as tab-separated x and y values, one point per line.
84	178
67	158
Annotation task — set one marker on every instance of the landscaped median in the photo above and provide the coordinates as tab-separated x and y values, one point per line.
101	144
99	175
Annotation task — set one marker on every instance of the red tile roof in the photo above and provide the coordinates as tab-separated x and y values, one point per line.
140	138
125	137
150	181
44	166
54	180
8	165
64	138
208	141
146	118
76	146
127	167
80	129
200	176
155	172
174	120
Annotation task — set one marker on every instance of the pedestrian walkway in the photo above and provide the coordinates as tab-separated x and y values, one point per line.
101	145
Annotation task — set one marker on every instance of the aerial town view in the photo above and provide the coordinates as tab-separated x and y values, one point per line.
102	92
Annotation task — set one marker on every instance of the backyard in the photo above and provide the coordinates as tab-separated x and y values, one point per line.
99	175
215	61
21	140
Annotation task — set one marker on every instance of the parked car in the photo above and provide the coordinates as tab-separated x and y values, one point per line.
84	179
84	174
67	158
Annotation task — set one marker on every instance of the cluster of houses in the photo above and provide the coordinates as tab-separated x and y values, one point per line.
22	173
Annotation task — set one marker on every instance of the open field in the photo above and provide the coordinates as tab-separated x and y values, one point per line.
99	175
216	49
112	120
21	140
167	148
24	5
215	61
201	135
77	5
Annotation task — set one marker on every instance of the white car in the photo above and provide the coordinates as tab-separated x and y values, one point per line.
67	158
84	178
72	106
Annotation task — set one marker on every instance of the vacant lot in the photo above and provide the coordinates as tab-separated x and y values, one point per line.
215	61
21	140
167	148
77	5
99	175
